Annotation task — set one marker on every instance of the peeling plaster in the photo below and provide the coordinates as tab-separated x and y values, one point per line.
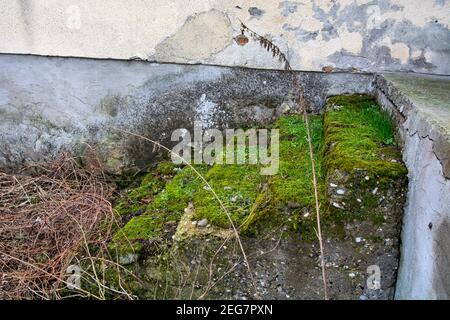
194	31
351	41
399	50
201	36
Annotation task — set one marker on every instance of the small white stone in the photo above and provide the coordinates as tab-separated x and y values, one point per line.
367	178
194	223
202	223
333	185
352	275
358	239
306	215
337	205
374	191
359	200
393	160
128	259
340	191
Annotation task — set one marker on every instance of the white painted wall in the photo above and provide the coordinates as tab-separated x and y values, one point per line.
409	35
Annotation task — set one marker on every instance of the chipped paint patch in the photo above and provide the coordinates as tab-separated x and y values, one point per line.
256	12
351	42
399	50
202	36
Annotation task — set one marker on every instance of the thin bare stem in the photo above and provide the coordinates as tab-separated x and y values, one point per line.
271	47
316	199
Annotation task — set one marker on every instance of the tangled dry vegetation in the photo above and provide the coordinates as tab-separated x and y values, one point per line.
48	214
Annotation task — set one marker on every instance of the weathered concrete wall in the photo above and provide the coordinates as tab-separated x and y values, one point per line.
50	104
421	105
368	35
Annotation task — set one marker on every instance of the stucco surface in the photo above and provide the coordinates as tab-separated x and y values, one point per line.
367	35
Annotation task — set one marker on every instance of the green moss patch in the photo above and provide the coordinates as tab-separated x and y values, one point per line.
361	158
258	202
167	206
137	198
237	186
360	136
293	183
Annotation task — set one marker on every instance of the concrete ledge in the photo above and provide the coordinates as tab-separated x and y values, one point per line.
428	97
421	106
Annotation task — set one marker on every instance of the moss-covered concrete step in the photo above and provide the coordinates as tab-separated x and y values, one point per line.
358	139
253	201
366	189
361	157
362	184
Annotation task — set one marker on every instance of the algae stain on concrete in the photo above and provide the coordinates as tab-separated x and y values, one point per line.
201	36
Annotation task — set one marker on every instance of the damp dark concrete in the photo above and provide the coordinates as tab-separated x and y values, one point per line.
52	104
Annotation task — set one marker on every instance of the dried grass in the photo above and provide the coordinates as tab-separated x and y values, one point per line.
48	214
